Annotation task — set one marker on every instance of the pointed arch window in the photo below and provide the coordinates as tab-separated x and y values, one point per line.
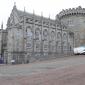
64	36
59	35
52	35
37	33
45	34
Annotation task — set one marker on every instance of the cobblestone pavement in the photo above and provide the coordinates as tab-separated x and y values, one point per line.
61	71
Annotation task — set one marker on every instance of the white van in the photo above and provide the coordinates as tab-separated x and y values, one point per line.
79	50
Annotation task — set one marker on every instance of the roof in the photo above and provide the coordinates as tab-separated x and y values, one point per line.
24	13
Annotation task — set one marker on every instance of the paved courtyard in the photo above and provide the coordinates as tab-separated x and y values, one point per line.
61	71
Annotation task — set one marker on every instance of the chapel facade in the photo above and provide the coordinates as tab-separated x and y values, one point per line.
31	38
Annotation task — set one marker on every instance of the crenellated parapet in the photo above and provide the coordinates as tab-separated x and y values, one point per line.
74	11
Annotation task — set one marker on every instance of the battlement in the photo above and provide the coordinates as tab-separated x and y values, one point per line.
74	11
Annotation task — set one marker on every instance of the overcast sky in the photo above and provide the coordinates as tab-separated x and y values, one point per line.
48	7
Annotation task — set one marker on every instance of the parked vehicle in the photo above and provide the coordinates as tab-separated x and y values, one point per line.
12	61
79	50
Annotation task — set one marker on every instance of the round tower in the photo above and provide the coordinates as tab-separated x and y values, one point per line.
74	19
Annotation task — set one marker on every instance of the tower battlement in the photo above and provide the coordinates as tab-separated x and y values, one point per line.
71	11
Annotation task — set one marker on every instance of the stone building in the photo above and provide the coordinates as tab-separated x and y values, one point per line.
74	19
31	37
3	43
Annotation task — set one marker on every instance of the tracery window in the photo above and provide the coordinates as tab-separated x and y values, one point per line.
45	34
45	47
52	35
59	35
64	36
37	33
70	22
29	33
28	38
28	44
